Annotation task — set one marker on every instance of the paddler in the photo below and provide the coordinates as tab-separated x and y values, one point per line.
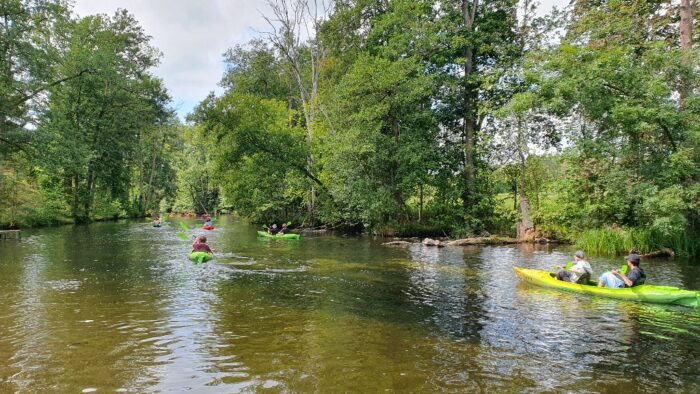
200	245
580	272
615	279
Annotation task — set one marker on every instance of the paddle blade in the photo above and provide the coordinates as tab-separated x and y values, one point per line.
623	269
569	265
185	228
182	236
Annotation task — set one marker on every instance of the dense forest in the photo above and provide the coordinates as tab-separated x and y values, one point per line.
401	117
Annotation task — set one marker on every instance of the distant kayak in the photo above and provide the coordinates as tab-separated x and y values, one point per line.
208	227
641	293
156	225
200	257
283	236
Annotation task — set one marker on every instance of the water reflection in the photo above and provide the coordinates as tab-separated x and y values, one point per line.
322	314
448	280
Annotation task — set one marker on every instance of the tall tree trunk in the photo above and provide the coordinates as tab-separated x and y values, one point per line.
686	43
469	119
420	207
686	25
141	177
526	227
155	152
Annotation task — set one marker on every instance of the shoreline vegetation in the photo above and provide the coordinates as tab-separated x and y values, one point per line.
594	241
425	119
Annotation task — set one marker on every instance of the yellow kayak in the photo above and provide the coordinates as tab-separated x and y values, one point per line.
641	293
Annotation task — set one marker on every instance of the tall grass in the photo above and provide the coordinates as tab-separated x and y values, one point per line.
608	241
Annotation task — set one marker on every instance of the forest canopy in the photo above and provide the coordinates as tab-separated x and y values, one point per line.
402	117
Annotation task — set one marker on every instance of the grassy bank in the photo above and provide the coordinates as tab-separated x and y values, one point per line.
618	241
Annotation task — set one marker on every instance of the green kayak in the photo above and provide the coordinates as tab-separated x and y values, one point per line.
283	236
641	293
200	257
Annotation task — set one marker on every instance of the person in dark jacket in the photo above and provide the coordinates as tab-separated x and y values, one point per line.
635	275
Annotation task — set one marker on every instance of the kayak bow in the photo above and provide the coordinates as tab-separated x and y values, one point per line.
641	293
200	257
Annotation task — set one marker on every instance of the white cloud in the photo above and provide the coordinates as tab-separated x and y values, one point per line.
192	36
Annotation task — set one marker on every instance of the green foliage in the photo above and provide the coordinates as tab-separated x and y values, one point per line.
385	150
196	189
28	56
78	102
617	241
260	159
91	120
29	198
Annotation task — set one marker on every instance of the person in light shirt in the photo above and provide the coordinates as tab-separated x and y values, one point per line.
580	272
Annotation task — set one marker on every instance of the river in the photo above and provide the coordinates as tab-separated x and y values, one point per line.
117	307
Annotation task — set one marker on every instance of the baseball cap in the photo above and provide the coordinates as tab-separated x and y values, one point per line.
633	258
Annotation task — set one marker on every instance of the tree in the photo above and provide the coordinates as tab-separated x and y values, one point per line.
520	124
476	39
28	33
91	124
615	78
252	133
291	19
386	149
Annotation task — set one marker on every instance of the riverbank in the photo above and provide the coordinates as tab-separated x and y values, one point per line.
502	240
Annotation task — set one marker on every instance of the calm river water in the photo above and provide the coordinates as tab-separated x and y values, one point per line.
117	307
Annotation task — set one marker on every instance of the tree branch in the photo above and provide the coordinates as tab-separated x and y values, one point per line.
54	83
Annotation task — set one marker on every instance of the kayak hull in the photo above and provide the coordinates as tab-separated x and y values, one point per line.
641	293
208	227
200	257
282	236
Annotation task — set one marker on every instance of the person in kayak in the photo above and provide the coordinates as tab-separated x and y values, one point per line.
615	279
200	245
273	229
284	229
208	223
157	222
580	272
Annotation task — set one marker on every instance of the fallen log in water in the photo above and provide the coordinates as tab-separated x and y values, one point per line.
665	252
493	240
397	243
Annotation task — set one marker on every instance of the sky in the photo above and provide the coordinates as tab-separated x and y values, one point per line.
193	35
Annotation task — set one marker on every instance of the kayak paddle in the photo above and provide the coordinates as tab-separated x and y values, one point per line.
566	267
182	234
